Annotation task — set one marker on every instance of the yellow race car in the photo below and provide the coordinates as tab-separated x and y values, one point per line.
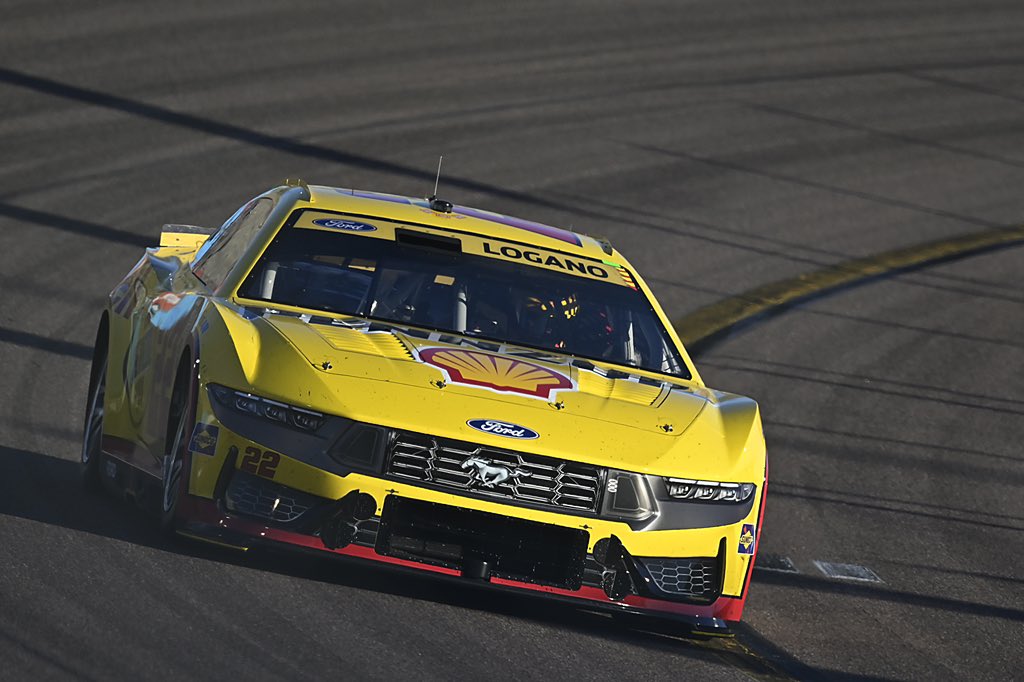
430	386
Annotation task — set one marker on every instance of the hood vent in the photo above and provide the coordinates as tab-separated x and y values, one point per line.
619	389
385	344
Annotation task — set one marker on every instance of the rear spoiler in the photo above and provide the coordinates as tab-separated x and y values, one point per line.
187	236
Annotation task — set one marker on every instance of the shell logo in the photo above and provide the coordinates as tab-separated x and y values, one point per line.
496	372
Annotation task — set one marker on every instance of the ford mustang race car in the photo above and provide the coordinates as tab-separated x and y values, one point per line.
430	386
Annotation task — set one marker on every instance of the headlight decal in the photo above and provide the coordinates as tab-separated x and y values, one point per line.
326	441
708	491
282	413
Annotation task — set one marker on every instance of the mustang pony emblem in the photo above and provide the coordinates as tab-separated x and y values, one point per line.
496	372
489	474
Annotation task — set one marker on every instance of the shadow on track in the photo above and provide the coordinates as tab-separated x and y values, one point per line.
45	343
256	138
880	593
47	490
76	226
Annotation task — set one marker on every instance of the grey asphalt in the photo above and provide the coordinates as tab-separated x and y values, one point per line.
720	145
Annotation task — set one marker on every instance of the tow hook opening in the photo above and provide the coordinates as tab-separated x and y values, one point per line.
477	569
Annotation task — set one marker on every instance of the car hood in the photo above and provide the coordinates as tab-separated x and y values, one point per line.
443	384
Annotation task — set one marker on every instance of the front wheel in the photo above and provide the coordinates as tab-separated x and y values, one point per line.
92	432
179	417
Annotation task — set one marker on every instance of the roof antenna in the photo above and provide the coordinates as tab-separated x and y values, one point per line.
438	178
439	205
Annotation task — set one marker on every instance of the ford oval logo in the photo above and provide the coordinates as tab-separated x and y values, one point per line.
349	225
504	429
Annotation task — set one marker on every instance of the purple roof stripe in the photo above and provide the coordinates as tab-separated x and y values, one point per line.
537	228
393	198
528	225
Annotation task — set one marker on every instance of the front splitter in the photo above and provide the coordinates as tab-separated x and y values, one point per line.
203	520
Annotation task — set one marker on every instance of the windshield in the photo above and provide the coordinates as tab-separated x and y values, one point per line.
430	282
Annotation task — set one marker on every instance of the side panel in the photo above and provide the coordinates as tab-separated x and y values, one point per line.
121	433
152	312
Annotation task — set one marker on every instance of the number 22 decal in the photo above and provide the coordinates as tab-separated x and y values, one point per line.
259	462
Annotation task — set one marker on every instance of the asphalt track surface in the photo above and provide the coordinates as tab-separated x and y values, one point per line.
722	146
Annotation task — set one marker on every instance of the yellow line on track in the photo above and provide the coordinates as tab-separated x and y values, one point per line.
706	322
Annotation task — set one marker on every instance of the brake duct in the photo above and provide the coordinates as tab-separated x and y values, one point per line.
339	528
620	577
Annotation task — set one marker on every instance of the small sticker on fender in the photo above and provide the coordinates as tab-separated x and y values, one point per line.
747	539
204	439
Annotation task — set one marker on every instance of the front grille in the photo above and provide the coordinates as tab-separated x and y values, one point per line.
255	496
517	549
532	479
690	578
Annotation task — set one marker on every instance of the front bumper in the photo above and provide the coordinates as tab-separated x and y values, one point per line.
698	574
204	520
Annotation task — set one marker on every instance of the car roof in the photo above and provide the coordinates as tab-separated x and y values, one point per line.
416	211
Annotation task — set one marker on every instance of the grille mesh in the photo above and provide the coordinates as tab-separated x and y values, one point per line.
254	496
695	578
532	479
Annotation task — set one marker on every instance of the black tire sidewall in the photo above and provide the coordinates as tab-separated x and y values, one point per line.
90	470
169	519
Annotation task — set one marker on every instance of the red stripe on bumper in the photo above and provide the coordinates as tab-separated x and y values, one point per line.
206	513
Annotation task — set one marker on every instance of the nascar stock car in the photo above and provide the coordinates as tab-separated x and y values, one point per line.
431	386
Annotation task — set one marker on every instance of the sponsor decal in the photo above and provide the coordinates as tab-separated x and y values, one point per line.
548	260
204	439
496	372
488	473
347	225
747	539
505	429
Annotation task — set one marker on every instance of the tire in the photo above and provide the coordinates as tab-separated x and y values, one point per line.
92	430
179	418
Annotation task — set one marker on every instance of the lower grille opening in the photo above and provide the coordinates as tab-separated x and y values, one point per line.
256	496
452	537
695	579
